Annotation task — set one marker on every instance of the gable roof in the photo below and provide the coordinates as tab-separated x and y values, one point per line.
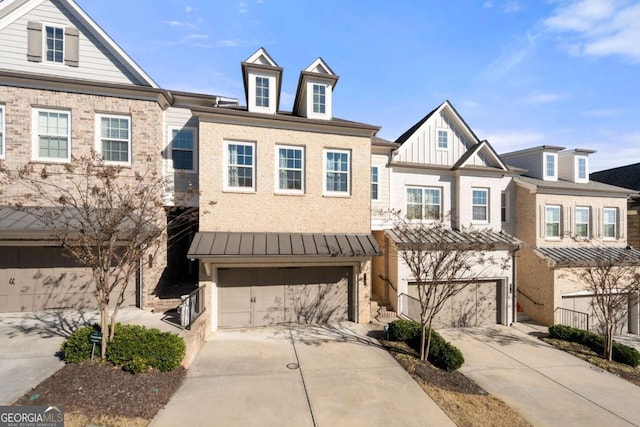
474	150
261	60
562	186
623	176
319	70
11	10
446	104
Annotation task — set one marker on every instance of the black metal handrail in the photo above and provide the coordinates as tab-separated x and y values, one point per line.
529	298
192	307
573	318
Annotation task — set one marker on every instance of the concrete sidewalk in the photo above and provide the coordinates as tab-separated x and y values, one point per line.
30	343
547	386
298	376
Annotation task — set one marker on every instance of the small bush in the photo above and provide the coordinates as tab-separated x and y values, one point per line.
133	347
624	354
77	348
447	357
562	332
403	330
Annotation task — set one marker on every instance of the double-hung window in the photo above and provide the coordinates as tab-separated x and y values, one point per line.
239	166
51	135
480	204
183	148
337	172
550	162
609	222
54	44
262	91
423	203
319	98
374	183
581	169
552	221
2	120
503	206
114	138
582	222
290	171
442	139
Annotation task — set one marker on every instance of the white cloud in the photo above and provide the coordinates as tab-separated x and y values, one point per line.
469	104
519	50
544	98
188	9
196	36
487	4
511	6
242	7
602	113
513	140
599	28
175	23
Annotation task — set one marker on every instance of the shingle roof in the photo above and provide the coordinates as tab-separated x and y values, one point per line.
589	256
624	176
225	244
561	184
483	238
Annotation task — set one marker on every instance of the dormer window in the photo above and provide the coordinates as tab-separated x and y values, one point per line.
319	98
582	173
314	93
262	79
550	167
262	92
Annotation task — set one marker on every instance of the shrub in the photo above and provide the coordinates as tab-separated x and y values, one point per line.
561	332
403	330
77	348
447	357
133	347
624	354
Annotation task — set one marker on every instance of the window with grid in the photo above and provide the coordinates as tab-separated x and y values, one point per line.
115	139
183	148
552	221
240	165
54	44
503	206
443	139
319	99
582	222
609	220
374	183
337	171
423	203
1	131
550	165
291	169
582	168
52	134
262	92
480	204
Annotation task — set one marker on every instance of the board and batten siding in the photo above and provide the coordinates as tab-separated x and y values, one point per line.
95	63
178	118
422	146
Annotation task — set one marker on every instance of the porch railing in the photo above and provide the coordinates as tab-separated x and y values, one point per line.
409	307
192	307
575	319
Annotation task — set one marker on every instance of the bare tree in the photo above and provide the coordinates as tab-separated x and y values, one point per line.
612	278
105	217
442	262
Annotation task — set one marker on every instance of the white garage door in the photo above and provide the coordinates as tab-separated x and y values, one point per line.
582	304
476	304
266	296
41	278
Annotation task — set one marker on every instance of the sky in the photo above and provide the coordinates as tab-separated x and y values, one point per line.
520	73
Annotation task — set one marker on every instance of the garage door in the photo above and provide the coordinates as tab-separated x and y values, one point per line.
266	296
41	278
582	304
476	304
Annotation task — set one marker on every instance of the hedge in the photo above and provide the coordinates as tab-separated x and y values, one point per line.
621	353
134	347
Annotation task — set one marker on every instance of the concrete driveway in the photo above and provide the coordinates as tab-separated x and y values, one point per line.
547	386
298	376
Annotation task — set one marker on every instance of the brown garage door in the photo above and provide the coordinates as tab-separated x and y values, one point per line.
582	304
266	296
41	278
476	304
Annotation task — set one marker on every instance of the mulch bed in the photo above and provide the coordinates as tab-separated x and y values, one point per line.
101	389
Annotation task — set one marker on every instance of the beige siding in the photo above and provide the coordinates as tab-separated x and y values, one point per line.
266	211
531	162
380	207
96	63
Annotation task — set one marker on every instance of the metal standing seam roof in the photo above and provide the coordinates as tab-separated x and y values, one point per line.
234	244
498	240
583	256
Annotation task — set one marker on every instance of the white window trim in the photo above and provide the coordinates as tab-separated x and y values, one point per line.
586	169
325	192
546	175
276	184
615	224
98	137
376	182
3	138
546	234
225	168
44	44
504	196
417	187
480	221
35	140
327	100
438	130
170	130
273	96
575	222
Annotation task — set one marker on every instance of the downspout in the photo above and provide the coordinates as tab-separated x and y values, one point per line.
140	285
514	285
